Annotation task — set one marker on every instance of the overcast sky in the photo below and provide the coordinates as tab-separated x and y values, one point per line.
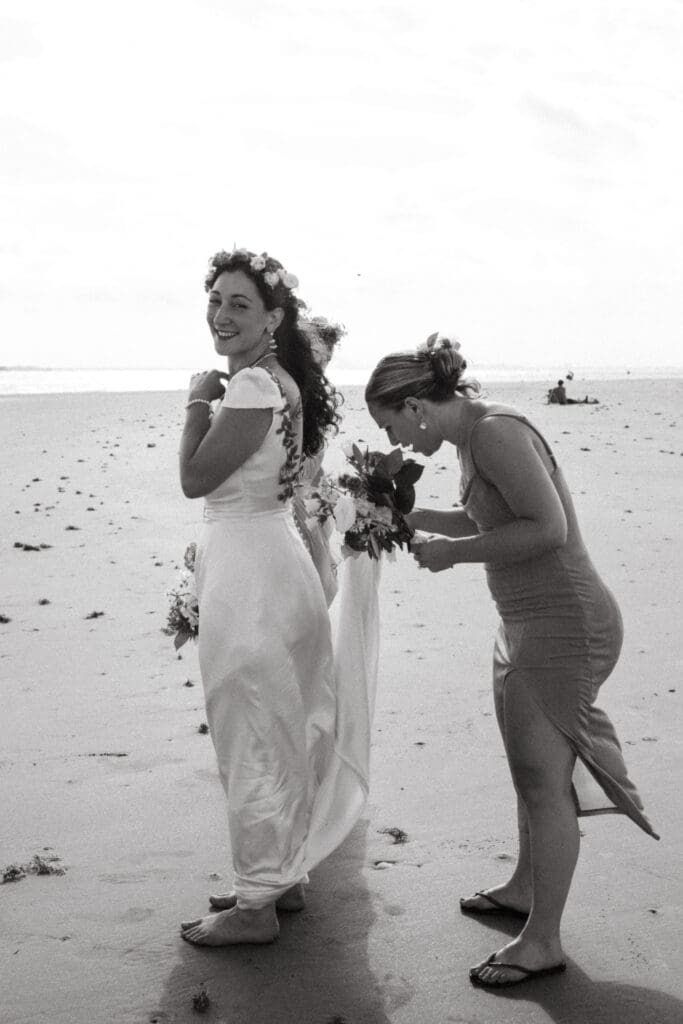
507	171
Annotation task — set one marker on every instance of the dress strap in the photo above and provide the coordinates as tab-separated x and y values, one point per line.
512	416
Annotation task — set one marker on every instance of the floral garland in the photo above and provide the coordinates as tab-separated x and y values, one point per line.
272	271
291	468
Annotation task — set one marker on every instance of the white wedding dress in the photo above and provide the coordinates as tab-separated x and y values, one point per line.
290	719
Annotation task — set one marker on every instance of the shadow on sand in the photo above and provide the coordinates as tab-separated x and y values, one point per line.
316	973
574	998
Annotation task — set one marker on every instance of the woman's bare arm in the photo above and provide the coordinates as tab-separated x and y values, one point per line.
451	522
211	450
507	458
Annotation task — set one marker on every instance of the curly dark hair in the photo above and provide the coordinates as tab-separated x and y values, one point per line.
319	399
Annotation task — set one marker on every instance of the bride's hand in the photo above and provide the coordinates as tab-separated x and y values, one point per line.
208	385
435	555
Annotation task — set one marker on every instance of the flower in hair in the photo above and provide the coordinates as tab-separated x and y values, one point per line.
437	342
257	263
271	277
289	280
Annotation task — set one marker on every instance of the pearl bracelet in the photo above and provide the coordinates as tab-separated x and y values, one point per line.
199	401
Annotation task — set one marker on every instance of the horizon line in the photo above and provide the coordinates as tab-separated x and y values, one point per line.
622	367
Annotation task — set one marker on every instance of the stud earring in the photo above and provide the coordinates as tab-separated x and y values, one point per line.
422	425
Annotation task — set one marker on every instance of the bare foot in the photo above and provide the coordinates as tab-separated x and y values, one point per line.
510	896
531	955
290	901
232	927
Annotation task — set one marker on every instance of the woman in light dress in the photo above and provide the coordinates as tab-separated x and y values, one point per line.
283	725
323	336
559	638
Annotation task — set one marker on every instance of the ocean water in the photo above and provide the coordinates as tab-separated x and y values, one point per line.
41	381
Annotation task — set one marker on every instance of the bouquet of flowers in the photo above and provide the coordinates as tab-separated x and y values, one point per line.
183	613
369	504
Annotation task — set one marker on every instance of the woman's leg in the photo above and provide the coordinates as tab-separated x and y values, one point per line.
516	892
541	761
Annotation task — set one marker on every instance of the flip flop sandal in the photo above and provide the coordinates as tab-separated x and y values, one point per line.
526	973
496	907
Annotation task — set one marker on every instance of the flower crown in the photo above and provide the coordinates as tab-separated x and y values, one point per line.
271	270
319	327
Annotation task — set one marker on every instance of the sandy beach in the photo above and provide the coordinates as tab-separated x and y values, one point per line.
103	765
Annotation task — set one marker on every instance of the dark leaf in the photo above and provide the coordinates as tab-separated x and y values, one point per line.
409	473
379	486
405	498
181	637
392	462
354	541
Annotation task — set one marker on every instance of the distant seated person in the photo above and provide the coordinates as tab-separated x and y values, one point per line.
558	396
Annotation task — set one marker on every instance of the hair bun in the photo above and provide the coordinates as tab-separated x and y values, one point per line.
443	354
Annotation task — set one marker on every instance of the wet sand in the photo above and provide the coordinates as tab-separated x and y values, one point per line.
103	766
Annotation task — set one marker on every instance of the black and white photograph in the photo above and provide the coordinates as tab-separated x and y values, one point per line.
341	383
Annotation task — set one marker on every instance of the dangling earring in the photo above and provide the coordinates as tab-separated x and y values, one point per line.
272	345
422	425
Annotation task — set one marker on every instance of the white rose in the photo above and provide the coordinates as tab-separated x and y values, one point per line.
190	612
271	278
365	509
257	263
289	280
190	556
185	582
344	513
383	515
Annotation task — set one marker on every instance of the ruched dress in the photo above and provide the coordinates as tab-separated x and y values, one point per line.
561	633
290	730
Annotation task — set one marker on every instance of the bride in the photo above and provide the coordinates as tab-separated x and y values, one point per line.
289	726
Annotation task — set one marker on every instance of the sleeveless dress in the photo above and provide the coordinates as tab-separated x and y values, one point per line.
561	632
291	731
